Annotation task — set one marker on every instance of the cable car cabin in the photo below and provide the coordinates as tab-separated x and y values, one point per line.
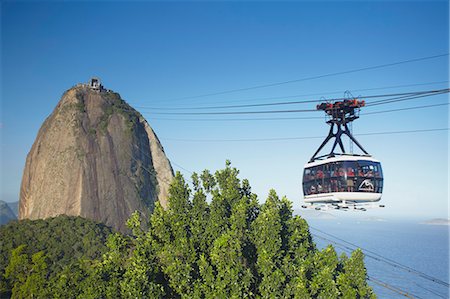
343	179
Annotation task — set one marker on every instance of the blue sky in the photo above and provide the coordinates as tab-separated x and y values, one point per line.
155	53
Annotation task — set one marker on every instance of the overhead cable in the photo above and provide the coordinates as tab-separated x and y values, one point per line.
411	93
403	109
431	291
235	119
312	77
181	167
152	173
294	118
349	250
309	94
391	287
301	138
386	260
407	98
380	102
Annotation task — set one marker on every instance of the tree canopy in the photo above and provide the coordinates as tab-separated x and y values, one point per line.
214	241
58	242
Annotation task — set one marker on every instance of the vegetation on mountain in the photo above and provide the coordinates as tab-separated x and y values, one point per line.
56	242
215	241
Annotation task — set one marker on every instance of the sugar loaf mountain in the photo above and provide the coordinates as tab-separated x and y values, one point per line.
95	157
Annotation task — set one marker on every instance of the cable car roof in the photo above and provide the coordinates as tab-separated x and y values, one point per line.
341	158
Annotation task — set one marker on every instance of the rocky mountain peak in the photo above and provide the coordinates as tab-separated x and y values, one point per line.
95	157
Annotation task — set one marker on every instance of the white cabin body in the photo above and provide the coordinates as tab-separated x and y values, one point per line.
343	179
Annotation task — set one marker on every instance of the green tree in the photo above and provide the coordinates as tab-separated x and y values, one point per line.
199	221
323	283
141	269
36	282
352	281
28	277
267	230
176	253
231	278
221	243
64	239
298	260
104	276
17	269
70	281
229	272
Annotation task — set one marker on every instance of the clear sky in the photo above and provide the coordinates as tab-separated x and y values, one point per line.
156	53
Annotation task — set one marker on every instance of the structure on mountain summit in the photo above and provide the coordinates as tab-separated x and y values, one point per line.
95	84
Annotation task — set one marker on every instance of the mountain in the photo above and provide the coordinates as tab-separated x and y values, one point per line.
6	214
14	206
95	157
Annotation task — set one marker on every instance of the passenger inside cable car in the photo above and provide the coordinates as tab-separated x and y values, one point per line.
343	176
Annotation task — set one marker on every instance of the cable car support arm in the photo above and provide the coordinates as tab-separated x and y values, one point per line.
340	114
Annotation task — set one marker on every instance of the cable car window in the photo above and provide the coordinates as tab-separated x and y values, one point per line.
369	169
346	176
337	169
327	170
309	182
350	168
307	175
370	177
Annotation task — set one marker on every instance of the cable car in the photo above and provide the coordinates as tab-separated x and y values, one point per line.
342	180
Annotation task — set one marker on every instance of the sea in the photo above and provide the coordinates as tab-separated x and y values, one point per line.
404	258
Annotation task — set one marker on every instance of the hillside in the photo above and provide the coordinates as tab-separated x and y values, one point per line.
14	206
6	214
65	240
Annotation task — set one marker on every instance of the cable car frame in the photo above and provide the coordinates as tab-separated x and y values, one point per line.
342	180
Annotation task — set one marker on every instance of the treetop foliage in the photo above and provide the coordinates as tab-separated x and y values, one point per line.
59	241
215	241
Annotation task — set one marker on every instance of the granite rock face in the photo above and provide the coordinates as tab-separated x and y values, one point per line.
95	157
